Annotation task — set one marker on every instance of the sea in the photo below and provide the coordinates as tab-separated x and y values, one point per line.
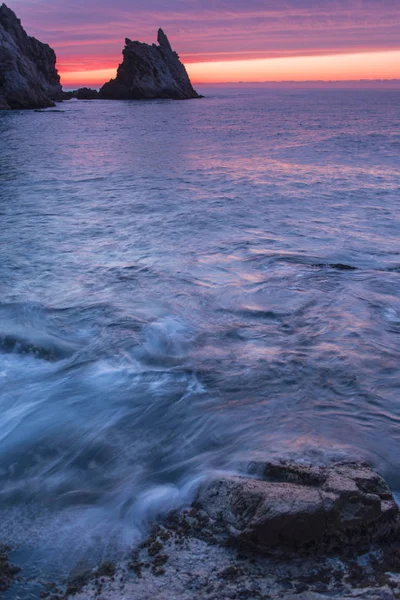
186	287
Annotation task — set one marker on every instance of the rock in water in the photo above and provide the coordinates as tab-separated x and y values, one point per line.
28	76
149	72
85	94
292	507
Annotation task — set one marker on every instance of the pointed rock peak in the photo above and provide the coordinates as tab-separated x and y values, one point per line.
163	41
149	71
8	17
4	8
7	11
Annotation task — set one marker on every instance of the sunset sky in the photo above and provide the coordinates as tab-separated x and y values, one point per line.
221	40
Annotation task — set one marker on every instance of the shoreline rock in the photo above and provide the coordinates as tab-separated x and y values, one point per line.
303	509
208	551
8	571
28	76
149	72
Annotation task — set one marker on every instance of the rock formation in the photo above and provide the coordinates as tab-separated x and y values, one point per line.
85	94
293	507
149	72
28	77
305	533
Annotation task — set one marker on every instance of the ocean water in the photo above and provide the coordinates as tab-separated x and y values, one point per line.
186	286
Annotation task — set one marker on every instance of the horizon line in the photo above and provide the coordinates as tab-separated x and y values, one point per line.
276	82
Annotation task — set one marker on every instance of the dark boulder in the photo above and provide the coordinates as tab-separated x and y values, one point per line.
149	72
292	507
28	76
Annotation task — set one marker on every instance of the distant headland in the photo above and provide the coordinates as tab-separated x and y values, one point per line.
28	74
29	78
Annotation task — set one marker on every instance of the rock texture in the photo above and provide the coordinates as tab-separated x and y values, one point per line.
174	566
303	508
28	77
190	555
149	72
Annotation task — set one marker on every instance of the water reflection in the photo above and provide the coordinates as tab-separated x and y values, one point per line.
186	286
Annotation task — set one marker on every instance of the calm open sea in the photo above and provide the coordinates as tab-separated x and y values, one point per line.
186	285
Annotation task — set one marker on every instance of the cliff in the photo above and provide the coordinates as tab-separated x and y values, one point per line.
149	72
28	76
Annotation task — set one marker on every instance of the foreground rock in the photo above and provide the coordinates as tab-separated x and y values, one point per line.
28	76
303	508
173	566
211	551
8	572
149	72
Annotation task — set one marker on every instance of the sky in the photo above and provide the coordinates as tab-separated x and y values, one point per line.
223	40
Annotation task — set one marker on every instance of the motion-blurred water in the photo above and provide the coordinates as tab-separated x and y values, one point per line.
185	285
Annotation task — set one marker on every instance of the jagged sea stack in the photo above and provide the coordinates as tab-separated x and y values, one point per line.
149	72
28	75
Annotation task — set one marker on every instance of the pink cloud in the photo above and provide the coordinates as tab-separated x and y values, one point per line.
93	32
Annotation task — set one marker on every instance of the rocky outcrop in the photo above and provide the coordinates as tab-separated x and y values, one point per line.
28	77
82	94
292	507
278	508
85	94
149	72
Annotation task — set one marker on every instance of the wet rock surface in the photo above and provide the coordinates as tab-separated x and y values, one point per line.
8	571
149	72
28	77
301	508
178	562
193	553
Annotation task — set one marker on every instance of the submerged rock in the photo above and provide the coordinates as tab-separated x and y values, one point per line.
303	508
149	72
28	76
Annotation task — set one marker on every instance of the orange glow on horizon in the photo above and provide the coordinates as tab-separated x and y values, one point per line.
339	67
92	77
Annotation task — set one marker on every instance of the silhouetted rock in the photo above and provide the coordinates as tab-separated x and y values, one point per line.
149	72
303	508
85	94
28	77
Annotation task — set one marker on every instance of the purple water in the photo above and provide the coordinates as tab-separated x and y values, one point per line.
185	285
